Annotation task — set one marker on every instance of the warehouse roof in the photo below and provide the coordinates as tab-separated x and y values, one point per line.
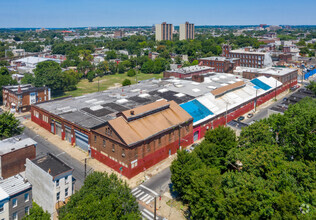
273	71
20	89
158	120
190	69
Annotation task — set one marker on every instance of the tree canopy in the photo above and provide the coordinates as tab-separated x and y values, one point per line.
102	196
269	172
9	125
36	212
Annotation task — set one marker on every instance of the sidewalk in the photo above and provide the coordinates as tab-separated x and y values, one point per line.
80	155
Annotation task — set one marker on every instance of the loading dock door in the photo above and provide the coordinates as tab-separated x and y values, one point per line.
52	128
196	136
82	140
68	134
58	128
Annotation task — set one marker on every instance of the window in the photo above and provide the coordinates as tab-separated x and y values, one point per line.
104	143
66	179
27	209
14	202
26	197
113	148
58	196
66	192
123	152
95	139
15	216
57	182
159	141
148	147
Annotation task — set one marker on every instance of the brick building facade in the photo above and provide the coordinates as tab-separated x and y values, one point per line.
220	64
19	98
13	154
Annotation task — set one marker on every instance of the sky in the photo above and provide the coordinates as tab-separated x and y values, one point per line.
104	13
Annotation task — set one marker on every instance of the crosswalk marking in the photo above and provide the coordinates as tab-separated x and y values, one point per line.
134	189
147	199
134	193
148	212
145	196
139	194
151	199
146	216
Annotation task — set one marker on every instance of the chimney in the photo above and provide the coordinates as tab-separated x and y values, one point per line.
132	112
49	170
19	89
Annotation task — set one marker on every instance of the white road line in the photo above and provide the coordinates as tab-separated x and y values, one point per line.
146	216
148	212
149	200
149	190
140	194
134	193
134	190
145	196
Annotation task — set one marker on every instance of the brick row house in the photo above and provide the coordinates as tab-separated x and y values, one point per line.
19	98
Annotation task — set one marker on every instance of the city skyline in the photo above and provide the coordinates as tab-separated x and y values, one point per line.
96	13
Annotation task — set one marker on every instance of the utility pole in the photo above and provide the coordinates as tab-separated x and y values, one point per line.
275	89
85	168
256	100
226	112
155	214
179	137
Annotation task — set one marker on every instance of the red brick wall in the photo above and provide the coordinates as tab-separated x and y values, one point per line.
13	163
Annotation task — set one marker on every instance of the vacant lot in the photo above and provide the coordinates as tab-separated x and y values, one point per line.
108	81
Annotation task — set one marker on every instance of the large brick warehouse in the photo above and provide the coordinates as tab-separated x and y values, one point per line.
132	128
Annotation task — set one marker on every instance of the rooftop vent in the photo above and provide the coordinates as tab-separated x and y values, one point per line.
132	112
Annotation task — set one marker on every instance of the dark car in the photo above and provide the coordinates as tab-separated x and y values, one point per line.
250	115
240	118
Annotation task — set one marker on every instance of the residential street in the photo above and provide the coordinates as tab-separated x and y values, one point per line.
43	147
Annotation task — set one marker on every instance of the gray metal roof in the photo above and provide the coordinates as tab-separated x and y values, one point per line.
14	184
91	110
15	143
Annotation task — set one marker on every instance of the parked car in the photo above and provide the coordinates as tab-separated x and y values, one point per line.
193	146
284	99
250	115
240	118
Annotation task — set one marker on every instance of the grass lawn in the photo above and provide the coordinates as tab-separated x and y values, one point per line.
105	82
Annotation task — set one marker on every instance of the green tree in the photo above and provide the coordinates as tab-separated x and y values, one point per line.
312	86
9	125
131	73
28	79
4	71
148	67
90	76
102	68
102	196
126	82
36	212
49	73
111	55
121	68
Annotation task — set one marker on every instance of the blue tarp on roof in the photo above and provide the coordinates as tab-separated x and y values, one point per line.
196	110
260	84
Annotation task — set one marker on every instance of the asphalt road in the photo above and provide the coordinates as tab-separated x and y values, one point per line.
159	183
43	147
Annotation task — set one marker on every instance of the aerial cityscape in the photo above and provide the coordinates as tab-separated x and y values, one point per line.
157	110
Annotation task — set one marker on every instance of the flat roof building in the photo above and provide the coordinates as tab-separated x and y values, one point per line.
13	154
187	72
15	197
220	64
164	31
186	31
19	98
52	181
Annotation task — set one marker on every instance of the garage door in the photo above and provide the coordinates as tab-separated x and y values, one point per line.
82	140
196	136
67	133
58	128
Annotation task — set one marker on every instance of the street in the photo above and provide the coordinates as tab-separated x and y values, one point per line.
43	147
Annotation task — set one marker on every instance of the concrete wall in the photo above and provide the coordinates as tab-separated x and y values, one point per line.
43	186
